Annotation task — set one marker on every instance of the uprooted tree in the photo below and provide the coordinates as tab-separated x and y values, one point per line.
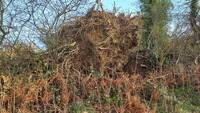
100	42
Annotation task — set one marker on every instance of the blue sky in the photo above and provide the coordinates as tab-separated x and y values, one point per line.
124	5
133	7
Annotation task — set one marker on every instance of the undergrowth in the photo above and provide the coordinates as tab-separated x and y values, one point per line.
48	91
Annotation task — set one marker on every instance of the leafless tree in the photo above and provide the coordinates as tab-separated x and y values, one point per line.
36	21
6	19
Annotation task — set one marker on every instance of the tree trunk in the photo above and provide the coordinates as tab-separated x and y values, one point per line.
193	16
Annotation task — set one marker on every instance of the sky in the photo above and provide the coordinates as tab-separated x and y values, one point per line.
133	7
124	5
130	6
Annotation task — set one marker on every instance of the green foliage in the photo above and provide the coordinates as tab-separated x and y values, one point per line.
155	14
155	20
80	108
188	99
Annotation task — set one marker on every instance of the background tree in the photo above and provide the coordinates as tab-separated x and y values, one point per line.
42	18
155	20
155	27
194	18
6	19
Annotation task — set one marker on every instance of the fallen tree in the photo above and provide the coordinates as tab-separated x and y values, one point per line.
101	42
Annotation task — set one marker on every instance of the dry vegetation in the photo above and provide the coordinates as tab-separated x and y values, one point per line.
96	68
101	40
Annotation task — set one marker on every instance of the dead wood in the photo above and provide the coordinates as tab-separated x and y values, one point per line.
103	41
